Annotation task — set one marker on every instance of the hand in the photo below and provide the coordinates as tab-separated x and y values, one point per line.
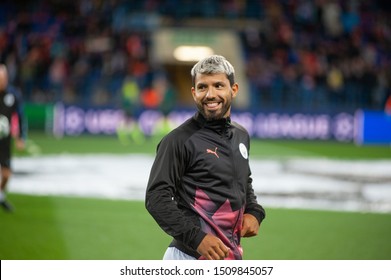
250	226
19	143
212	248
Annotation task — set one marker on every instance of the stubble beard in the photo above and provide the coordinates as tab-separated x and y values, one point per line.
213	115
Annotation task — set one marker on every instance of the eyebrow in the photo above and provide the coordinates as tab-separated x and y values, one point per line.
214	83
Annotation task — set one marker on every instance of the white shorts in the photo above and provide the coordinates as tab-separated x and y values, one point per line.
173	253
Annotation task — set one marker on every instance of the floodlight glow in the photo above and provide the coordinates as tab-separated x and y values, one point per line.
192	53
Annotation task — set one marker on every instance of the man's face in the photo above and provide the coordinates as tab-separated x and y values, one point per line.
3	79
213	95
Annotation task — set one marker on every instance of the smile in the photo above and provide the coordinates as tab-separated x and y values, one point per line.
212	105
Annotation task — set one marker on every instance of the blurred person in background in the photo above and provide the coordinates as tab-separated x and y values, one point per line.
11	117
200	186
128	131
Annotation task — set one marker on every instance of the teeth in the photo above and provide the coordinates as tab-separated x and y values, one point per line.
212	105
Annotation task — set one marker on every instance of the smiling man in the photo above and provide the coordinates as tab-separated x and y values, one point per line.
200	187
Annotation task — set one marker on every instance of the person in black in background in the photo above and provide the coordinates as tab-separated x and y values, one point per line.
200	187
10	107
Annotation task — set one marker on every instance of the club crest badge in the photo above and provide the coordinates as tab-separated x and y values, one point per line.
243	150
9	100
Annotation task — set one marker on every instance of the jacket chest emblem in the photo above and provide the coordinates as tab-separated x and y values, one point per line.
9	100
243	150
209	151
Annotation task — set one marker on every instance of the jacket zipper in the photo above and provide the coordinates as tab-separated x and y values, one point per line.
232	156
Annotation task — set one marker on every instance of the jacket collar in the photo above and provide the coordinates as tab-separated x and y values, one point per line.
220	126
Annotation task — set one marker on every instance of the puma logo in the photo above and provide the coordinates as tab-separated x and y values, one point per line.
209	151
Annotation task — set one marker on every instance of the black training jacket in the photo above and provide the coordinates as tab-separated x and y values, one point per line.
200	183
10	106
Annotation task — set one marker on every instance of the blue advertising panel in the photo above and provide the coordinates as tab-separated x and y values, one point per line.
363	127
373	127
74	120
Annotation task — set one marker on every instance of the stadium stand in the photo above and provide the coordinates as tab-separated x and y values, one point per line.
300	55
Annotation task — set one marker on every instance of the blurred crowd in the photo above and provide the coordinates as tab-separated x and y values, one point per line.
304	55
321	55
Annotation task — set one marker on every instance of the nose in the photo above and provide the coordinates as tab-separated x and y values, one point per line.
211	94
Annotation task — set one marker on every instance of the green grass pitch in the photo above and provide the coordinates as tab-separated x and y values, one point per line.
54	227
46	227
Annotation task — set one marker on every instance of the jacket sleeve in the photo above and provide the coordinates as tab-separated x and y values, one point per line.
164	179
19	112
252	206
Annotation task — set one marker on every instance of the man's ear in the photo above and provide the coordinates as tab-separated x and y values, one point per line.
235	90
193	93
